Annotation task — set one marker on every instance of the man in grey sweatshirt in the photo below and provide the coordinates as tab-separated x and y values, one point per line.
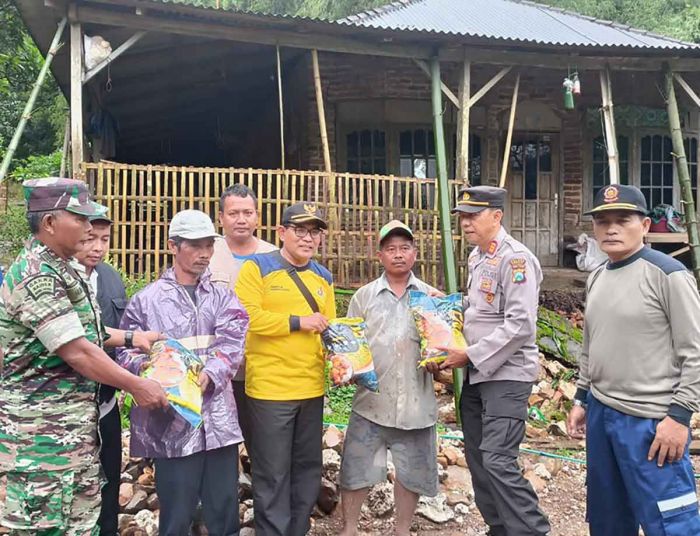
639	378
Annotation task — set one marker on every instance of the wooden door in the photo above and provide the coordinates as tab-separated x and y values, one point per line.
533	194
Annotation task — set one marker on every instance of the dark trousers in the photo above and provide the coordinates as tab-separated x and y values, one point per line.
493	422
286	464
243	411
211	476
625	489
111	460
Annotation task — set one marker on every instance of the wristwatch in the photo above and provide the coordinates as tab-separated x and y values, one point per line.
129	339
580	403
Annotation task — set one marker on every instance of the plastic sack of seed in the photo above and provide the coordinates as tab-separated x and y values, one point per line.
439	322
177	369
347	350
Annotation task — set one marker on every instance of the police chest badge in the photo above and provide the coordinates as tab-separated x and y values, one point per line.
518	268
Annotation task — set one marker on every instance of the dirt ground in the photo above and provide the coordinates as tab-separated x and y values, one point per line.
563	499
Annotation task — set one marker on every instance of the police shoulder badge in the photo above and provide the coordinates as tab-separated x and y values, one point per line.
518	266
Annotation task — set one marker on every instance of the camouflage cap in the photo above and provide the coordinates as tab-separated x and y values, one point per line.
60	194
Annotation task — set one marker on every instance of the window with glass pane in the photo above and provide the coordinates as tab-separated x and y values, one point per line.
417	154
601	169
366	152
656	172
691	153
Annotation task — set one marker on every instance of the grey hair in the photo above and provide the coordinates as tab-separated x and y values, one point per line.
238	190
34	219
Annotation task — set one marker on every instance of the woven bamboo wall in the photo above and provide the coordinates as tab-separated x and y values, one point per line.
143	199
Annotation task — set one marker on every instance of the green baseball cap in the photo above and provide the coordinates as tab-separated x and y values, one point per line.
54	193
394	227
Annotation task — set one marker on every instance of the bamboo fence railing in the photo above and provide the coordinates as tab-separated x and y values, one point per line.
143	198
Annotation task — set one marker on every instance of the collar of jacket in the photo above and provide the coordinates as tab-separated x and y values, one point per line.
203	285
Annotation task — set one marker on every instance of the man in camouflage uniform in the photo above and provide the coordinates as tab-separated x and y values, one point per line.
51	337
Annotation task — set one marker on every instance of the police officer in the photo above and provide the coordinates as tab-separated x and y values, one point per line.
502	363
639	378
51	337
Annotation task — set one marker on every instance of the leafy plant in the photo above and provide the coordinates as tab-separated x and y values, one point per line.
38	166
14	230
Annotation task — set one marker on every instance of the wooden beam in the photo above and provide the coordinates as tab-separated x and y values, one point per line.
556	59
446	90
509	136
126	45
488	85
689	90
76	97
609	125
281	105
263	36
321	111
462	171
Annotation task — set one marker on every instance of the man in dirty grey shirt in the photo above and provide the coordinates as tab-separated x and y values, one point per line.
400	417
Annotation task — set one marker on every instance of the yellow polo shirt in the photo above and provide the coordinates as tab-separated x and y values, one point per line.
282	362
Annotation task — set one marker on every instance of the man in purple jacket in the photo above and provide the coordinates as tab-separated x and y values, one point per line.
192	464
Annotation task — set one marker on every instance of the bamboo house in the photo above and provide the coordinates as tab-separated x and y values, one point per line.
368	116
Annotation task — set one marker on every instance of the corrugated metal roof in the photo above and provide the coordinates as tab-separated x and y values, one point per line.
512	20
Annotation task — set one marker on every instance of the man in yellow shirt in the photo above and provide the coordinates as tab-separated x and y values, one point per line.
289	298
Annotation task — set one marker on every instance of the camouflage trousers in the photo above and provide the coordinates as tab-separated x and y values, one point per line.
51	503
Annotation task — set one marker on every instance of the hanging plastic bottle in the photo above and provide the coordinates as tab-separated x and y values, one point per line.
577	84
568	87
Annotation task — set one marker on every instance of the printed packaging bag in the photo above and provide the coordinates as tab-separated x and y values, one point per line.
177	369
348	351
439	322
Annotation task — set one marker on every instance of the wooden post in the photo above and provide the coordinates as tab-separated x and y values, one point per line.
609	123
66	147
509	136
448	252
691	222
281	106
462	171
76	97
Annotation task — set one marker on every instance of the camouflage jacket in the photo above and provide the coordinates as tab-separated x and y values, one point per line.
48	411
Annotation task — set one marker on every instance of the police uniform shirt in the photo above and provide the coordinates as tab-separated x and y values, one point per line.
501	311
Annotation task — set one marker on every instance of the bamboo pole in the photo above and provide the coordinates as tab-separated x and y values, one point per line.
509	136
321	112
76	97
448	254
27	112
609	124
691	222
462	171
281	106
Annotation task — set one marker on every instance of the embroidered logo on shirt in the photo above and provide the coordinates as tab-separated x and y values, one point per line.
489	297
320	292
41	286
485	284
492	247
518	267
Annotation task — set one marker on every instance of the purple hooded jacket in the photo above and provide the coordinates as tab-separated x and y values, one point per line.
215	328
